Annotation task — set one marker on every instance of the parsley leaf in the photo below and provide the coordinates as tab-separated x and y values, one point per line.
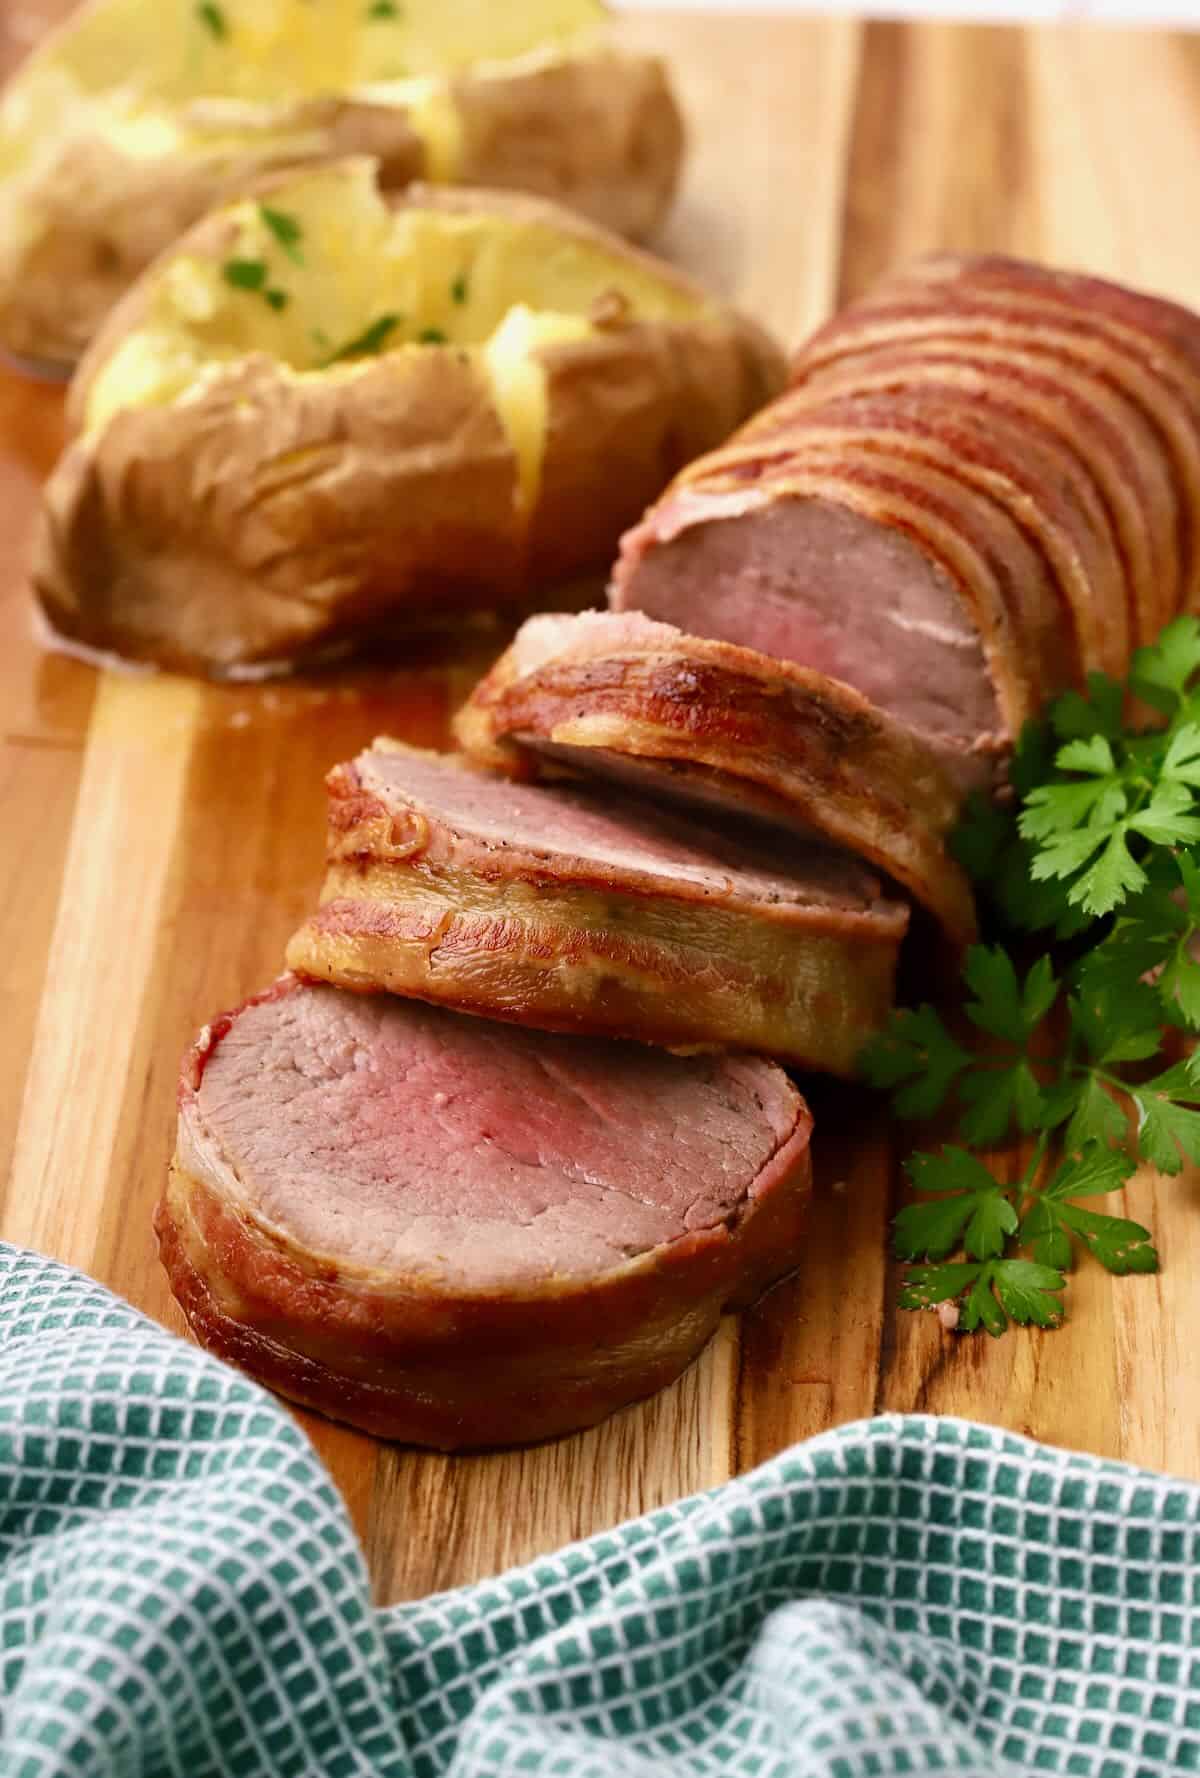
990	849
1028	1292
998	1094
1167	1130
1181	761
458	290
1179	983
287	230
1046	1236
1095	1117
1001	1005
1121	1246
981	1308
982	837
211	15
990	1293
245	274
1162	674
918	1059
1152	953
1075	716
251	274
988	844
971	1207
1090	1173
1116	1029
431	336
1109	792
383	9
371	340
917	1055
1073	822
925	1286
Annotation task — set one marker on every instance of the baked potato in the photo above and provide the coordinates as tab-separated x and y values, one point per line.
134	119
329	411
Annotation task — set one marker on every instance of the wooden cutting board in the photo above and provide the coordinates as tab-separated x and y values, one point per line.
162	838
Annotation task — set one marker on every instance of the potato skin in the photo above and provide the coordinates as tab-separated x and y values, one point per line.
600	132
269	518
619	157
272	519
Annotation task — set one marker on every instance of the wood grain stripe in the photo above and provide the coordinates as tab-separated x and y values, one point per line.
938	154
811	1349
500	1508
107	927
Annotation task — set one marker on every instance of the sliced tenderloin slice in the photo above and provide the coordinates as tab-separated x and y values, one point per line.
569	911
825	576
456	1234
1072	403
708	722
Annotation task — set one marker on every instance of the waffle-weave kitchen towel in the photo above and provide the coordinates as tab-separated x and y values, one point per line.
181	1592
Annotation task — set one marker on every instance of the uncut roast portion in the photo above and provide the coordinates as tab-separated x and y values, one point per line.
982	484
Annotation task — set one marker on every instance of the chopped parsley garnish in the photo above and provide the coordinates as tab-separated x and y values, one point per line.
432	336
251	274
210	14
458	290
245	274
371	340
383	9
1101	846
286	229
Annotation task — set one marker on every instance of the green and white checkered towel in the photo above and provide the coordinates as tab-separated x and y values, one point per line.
181	1593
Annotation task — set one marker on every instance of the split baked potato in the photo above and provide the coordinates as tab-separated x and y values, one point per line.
328	411
134	119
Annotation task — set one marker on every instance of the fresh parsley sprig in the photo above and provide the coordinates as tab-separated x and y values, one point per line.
986	1294
1099	849
1112	789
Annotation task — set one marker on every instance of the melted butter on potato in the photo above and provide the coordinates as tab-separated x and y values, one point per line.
355	280
519	383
